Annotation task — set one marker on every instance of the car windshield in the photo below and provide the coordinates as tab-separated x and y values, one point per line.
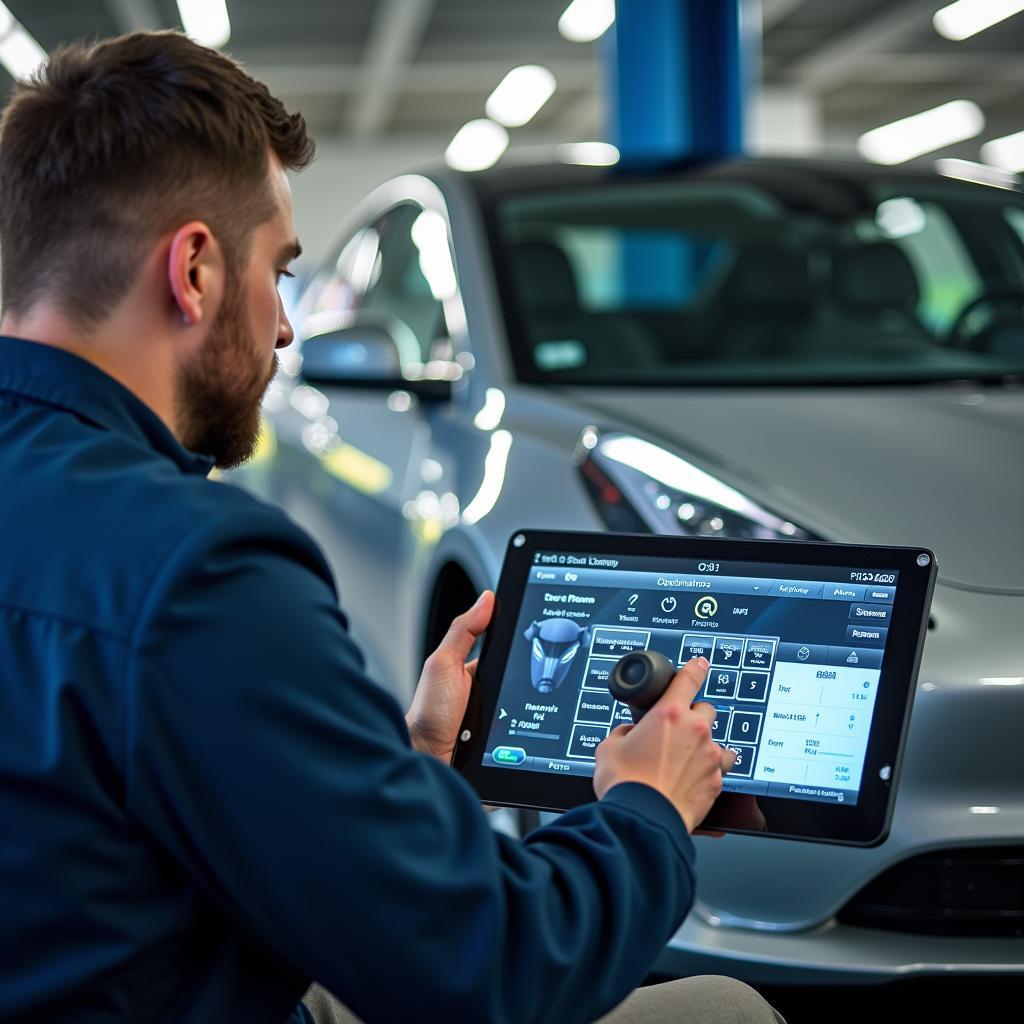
725	282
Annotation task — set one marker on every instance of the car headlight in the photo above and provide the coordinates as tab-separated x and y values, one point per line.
639	487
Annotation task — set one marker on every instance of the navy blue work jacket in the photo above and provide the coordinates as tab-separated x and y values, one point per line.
204	801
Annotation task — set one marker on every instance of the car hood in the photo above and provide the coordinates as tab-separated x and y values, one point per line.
937	466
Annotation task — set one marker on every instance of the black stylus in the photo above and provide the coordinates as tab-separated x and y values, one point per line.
639	679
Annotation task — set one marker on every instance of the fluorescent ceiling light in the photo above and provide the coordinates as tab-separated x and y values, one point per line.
980	174
1007	152
520	94
583	21
20	54
967	18
206	21
593	154
476	146
922	133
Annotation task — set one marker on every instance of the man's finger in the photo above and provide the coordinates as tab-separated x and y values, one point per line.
686	683
467	627
728	759
616	735
706	711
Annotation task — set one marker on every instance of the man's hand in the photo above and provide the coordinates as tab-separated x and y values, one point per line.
439	703
670	749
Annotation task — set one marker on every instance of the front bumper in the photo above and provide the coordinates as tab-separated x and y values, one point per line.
831	954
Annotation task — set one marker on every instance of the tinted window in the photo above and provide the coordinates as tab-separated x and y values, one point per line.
679	282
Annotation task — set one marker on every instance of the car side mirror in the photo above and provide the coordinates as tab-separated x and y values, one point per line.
364	356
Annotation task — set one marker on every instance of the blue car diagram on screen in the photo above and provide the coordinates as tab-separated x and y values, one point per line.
554	644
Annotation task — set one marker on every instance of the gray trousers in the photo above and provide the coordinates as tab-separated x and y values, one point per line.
709	1000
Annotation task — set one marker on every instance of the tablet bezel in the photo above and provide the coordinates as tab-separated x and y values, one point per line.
864	824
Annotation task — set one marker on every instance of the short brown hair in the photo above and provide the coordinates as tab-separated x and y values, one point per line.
110	145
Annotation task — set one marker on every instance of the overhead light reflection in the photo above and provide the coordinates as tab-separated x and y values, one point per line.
430	236
399	401
357	468
590	154
984	809
980	174
365	260
431	471
922	133
495	465
900	217
683	476
1002	680
307	400
493	409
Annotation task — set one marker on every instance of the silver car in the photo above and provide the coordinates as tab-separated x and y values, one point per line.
753	349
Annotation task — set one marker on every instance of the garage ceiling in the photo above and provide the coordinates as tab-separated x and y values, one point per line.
405	69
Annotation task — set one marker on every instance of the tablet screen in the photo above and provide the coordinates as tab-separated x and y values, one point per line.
795	653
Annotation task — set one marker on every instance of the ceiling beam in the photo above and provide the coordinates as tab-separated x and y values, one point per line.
932	68
134	15
395	37
583	118
325	79
838	60
774	11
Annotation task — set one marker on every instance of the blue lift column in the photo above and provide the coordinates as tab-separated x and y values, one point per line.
676	77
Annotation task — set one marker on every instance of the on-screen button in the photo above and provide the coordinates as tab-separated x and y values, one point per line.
508	755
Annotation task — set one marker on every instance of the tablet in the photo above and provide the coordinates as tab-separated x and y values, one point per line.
813	649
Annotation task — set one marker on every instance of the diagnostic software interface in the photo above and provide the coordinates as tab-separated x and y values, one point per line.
795	656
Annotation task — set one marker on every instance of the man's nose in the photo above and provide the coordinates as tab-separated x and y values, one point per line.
285	334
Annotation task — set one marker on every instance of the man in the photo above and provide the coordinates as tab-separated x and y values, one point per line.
204	803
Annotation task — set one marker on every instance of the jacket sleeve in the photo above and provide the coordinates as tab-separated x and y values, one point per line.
282	779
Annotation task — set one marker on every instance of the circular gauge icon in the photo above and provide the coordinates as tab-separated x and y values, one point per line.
705	607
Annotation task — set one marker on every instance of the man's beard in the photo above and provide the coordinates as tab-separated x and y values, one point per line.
219	392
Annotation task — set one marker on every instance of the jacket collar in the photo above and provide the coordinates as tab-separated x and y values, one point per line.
51	376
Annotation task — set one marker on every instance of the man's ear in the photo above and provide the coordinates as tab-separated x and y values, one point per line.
195	272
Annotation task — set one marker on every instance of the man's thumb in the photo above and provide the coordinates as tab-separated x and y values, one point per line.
464	631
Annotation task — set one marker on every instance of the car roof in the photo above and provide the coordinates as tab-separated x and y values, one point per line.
830	187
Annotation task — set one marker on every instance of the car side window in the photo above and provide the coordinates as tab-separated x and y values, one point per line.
395	271
406	290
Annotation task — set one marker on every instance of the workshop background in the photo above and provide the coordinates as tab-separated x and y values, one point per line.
386	84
